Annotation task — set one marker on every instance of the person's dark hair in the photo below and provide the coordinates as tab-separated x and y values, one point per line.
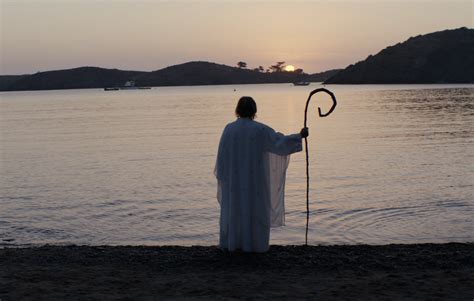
246	107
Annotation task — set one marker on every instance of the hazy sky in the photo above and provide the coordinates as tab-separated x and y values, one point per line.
40	35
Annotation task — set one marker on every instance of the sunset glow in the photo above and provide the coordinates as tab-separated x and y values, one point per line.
290	68
41	35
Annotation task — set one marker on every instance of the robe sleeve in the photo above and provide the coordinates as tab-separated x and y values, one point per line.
219	169
276	179
282	145
279	147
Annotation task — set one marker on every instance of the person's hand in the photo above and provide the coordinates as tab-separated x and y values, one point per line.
304	132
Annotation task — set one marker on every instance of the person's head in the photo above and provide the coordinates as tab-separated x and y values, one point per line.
246	108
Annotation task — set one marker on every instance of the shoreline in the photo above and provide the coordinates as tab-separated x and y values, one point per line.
313	84
352	272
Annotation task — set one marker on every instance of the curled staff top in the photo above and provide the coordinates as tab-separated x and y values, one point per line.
321	114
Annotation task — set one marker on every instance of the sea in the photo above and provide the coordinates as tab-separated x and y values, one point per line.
391	164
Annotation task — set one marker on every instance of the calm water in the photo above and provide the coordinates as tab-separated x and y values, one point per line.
393	164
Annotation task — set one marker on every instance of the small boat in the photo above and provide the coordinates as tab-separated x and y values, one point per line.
129	85
301	83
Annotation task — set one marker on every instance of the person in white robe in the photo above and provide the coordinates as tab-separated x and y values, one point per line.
251	169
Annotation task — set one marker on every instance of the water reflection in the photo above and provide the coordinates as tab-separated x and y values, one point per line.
392	164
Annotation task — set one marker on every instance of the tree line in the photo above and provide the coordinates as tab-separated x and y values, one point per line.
278	67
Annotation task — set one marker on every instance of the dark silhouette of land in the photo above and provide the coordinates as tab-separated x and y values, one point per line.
8	80
187	74
84	77
439	57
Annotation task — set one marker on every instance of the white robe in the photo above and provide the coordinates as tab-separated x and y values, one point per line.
251	170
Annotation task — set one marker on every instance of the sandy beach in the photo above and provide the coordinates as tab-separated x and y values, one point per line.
359	272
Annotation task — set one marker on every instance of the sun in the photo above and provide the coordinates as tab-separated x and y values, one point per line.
290	68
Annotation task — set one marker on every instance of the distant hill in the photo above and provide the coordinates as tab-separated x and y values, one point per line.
322	76
206	73
77	78
8	80
439	57
192	73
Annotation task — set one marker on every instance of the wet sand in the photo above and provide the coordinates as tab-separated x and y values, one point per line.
360	272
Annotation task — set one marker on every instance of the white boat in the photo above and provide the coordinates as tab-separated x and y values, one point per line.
130	85
301	83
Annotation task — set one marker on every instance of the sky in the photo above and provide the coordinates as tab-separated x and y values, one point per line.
41	35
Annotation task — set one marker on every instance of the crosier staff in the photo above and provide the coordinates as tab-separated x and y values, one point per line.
306	146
